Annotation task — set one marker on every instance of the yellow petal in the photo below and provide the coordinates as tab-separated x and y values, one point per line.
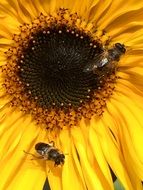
15	165
112	153
131	132
92	174
70	173
97	149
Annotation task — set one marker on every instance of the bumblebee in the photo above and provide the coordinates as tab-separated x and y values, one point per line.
49	152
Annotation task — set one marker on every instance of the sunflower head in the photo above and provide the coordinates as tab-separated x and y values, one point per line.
71	72
54	70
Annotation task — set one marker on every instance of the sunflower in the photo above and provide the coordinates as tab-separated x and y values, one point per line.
71	74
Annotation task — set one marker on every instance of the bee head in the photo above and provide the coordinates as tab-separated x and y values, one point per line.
120	47
60	159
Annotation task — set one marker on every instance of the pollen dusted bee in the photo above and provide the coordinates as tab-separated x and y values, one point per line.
106	59
49	152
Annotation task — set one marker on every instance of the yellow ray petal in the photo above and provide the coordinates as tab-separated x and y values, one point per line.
5	32
124	34
5	42
95	145
77	164
134	78
47	6
135	40
42	6
54	176
98	9
28	8
112	154
132	130
92	174
70	174
8	8
15	168
23	13
54	173
82	7
125	19
131	60
94	152
129	90
118	8
11	135
27	179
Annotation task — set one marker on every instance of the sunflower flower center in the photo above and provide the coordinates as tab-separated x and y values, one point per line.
51	67
53	70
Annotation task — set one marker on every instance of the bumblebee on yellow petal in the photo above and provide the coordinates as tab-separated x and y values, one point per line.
71	73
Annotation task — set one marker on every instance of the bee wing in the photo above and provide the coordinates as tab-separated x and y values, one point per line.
98	62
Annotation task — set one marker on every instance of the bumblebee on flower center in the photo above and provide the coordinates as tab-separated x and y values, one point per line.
57	70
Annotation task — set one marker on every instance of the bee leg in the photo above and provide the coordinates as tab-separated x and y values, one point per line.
55	165
49	171
52	143
37	157
28	153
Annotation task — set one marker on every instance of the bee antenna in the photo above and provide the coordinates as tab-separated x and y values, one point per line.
129	48
28	153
